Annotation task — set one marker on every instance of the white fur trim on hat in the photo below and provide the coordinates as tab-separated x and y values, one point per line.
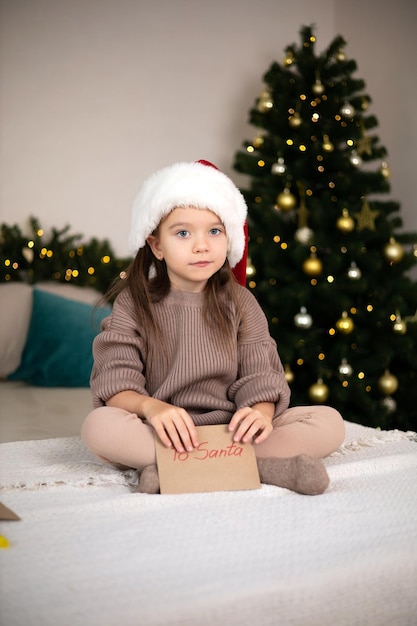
199	185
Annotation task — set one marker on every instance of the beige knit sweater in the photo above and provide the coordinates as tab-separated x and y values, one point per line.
208	381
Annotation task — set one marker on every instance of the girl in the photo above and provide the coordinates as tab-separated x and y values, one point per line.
186	345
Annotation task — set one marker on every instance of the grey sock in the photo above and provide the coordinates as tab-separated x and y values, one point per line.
302	474
149	480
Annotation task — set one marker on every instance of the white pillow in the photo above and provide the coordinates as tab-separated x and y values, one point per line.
79	294
15	313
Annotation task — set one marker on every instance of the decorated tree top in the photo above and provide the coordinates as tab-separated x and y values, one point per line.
327	261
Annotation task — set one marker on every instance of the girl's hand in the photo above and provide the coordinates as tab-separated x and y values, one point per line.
249	422
173	426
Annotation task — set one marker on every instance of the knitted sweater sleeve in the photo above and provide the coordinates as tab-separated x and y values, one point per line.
118	353
261	376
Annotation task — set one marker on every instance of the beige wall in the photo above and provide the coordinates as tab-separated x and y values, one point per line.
96	94
381	37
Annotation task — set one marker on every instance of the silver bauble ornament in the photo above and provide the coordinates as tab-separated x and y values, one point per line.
279	167
355	159
389	403
304	235
354	272
347	110
345	369
399	326
303	319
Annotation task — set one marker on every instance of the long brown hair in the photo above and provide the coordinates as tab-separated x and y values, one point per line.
148	281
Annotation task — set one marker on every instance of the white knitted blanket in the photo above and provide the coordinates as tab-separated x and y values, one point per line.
90	552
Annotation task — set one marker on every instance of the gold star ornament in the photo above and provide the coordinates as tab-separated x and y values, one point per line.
366	217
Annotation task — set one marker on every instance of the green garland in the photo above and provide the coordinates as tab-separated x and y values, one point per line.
61	256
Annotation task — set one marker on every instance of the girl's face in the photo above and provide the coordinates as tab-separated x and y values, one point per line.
193	244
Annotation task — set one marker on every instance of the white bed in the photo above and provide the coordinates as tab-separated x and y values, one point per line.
89	551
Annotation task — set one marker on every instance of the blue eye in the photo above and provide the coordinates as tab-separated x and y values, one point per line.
182	233
215	231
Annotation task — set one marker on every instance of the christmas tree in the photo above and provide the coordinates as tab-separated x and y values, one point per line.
59	256
326	261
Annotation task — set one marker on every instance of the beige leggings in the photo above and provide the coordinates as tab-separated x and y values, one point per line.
121	438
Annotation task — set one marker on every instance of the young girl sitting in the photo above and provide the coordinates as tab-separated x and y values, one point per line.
186	345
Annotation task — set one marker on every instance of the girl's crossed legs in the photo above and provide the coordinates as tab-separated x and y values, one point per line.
121	438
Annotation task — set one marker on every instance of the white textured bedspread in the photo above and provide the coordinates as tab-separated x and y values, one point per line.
90	552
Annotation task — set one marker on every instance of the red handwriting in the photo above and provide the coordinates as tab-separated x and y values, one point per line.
202	453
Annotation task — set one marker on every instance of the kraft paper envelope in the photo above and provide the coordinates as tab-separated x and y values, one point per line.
7	514
218	464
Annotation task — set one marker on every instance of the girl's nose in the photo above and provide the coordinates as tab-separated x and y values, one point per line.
201	244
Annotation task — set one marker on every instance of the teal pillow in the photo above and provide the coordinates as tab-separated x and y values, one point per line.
58	351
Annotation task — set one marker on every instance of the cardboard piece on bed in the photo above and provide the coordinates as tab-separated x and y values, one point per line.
218	464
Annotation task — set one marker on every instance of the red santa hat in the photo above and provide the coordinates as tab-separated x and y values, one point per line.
199	184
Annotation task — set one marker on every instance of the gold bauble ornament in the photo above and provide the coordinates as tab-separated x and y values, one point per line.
327	144
250	268
265	102
345	324
286	201
388	383
393	251
385	170
318	87
340	55
289	58
258	140
345	223
319	392
289	374
28	254
312	266
295	120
